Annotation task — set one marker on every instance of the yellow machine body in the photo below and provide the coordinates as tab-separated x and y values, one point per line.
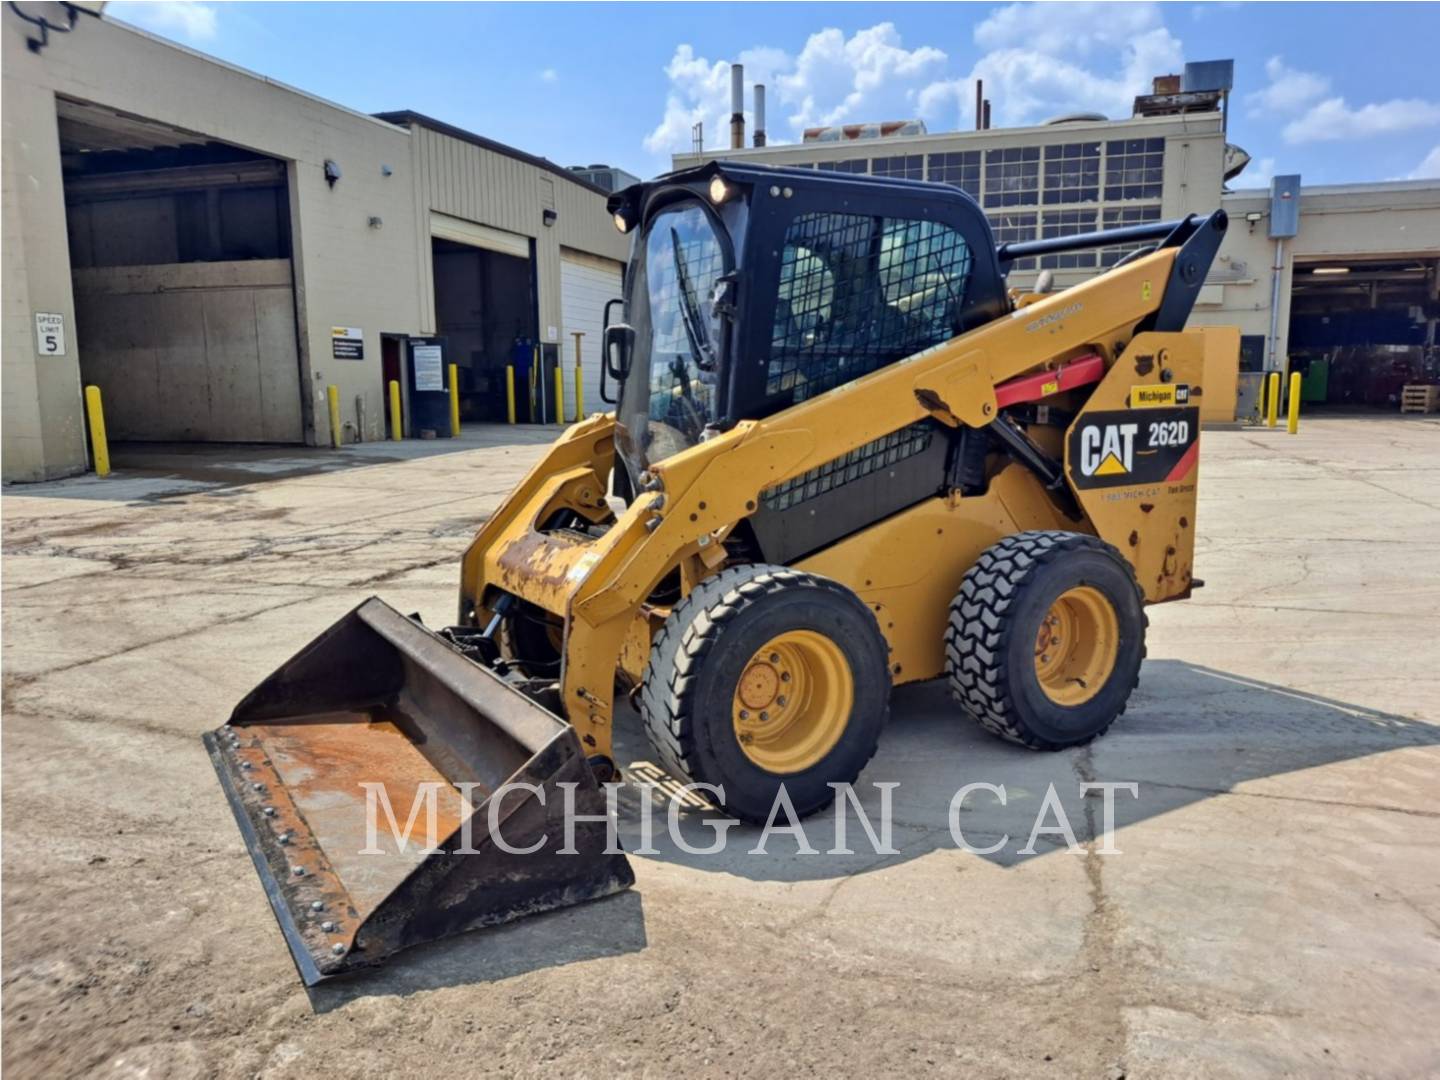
760	569
905	567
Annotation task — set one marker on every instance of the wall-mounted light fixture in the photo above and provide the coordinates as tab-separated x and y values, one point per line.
385	170
46	27
376	222
549	217
332	172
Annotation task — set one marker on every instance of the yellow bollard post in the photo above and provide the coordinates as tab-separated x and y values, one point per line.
455	400
99	445
579	377
510	392
396	432
1292	422
559	394
1272	400
332	392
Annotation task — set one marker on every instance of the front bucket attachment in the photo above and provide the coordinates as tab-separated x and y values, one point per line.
379	722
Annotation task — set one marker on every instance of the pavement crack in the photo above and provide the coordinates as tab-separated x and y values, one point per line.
36	676
1099	950
1382	808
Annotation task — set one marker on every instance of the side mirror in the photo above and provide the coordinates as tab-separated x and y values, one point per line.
619	347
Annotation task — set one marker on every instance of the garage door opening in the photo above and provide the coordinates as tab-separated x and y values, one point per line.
1361	330
587	284
184	291
485	309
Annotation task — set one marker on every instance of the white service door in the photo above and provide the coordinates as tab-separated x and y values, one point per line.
586	283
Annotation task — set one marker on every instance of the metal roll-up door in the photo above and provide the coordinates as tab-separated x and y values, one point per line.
586	283
445	227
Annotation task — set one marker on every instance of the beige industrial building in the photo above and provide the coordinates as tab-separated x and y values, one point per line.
213	250
1355	285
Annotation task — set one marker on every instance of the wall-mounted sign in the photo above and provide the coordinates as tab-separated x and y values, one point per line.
49	333
429	367
347	342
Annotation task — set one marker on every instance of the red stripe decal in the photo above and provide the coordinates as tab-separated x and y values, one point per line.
1081	371
1186	463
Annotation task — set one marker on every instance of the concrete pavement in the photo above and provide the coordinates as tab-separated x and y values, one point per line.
1275	908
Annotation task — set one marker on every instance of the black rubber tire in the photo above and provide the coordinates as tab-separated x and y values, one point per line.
703	648
525	639
990	642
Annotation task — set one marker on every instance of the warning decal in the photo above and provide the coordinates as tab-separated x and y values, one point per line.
1159	395
1113	449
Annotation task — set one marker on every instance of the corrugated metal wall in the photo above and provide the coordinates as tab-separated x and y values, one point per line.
467	181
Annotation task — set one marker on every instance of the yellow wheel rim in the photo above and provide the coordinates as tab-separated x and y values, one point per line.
1076	646
793	701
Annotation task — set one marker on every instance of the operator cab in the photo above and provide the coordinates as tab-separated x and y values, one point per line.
751	289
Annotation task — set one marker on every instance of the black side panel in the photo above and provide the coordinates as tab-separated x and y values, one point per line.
852	492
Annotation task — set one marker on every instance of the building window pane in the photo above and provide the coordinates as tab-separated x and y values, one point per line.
1072	173
960	169
906	167
1013	229
1056	223
1134	169
1012	176
1118	216
855	165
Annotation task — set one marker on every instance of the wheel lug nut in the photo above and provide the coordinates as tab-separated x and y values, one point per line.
780	701
744	714
784	676
774	658
764	716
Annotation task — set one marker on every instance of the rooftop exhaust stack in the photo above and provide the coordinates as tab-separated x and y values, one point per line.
979	104
759	114
737	107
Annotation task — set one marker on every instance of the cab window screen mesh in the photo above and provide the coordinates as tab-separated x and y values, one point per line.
862	461
859	292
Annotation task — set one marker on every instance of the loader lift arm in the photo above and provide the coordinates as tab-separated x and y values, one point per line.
844	456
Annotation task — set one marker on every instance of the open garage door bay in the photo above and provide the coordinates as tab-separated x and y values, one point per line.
586	283
183	284
193	352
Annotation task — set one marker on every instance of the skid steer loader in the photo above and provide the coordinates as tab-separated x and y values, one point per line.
844	456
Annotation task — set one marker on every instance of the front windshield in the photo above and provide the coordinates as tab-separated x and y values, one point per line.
670	395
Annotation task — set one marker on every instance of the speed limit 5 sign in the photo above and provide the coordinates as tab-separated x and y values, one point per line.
49	333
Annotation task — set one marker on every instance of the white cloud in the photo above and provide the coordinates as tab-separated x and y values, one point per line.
1289	91
867	76
187	20
1047	59
1257	174
1040	60
835	78
1334	119
1063	29
1429	169
549	75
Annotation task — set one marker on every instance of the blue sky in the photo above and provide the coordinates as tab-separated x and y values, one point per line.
1337	92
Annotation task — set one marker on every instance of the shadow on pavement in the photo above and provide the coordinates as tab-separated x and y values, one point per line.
610	927
149	472
1190	733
